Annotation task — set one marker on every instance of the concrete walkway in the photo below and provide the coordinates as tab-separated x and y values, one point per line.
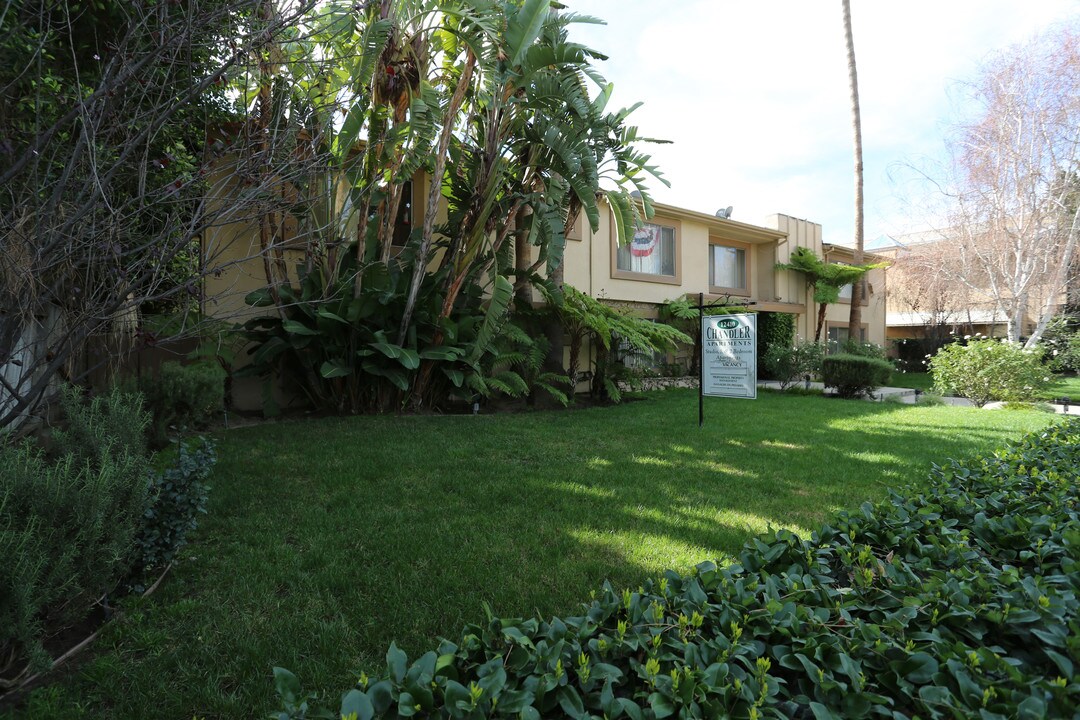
907	395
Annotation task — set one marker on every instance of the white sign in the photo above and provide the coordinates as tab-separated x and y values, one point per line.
729	356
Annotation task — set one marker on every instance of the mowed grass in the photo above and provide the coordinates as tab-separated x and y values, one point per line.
328	539
917	380
1062	386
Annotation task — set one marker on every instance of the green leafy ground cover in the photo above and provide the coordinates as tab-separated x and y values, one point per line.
329	539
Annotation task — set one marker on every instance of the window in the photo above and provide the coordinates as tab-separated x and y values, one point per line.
845	291
577	232
632	357
838	335
727	268
650	252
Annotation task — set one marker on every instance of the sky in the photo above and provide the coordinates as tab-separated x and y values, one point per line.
754	97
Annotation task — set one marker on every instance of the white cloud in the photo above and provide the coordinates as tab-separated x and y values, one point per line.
755	95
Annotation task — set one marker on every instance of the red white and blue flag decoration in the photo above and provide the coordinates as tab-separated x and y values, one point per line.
645	241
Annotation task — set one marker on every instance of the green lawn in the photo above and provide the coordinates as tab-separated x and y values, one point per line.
1061	387
328	539
918	380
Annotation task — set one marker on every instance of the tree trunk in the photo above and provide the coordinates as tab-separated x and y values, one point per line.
553	330
1060	282
434	195
522	258
855	318
575	354
820	321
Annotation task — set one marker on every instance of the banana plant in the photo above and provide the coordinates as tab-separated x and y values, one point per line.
492	102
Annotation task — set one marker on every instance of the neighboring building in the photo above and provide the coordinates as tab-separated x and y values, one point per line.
925	303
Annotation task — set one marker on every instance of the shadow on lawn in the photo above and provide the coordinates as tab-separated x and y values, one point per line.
328	540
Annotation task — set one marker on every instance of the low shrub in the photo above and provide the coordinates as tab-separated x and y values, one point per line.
930	398
1062	352
178	495
184	397
854	375
851	346
985	370
955	598
68	524
791	364
1061	343
102	426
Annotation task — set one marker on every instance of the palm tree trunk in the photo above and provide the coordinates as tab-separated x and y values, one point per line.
855	318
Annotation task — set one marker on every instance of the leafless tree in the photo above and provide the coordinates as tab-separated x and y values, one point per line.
105	178
1014	177
921	284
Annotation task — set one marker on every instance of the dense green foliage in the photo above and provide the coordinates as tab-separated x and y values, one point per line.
619	493
183	397
586	318
87	521
774	330
791	364
508	118
985	369
824	279
178	495
68	524
851	346
1062	350
956	598
336	347
854	375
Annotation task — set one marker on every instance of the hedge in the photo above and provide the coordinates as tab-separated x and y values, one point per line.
956	598
774	330
854	375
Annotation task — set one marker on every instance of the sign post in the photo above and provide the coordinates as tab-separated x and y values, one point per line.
728	358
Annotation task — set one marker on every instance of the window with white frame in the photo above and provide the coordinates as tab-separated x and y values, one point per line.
650	252
727	267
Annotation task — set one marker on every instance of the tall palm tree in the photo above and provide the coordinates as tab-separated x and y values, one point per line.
855	319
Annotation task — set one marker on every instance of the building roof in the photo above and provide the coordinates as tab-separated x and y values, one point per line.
868	257
959	317
731	229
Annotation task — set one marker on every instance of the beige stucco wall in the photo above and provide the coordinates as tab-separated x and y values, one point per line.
792	285
590	268
231	251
